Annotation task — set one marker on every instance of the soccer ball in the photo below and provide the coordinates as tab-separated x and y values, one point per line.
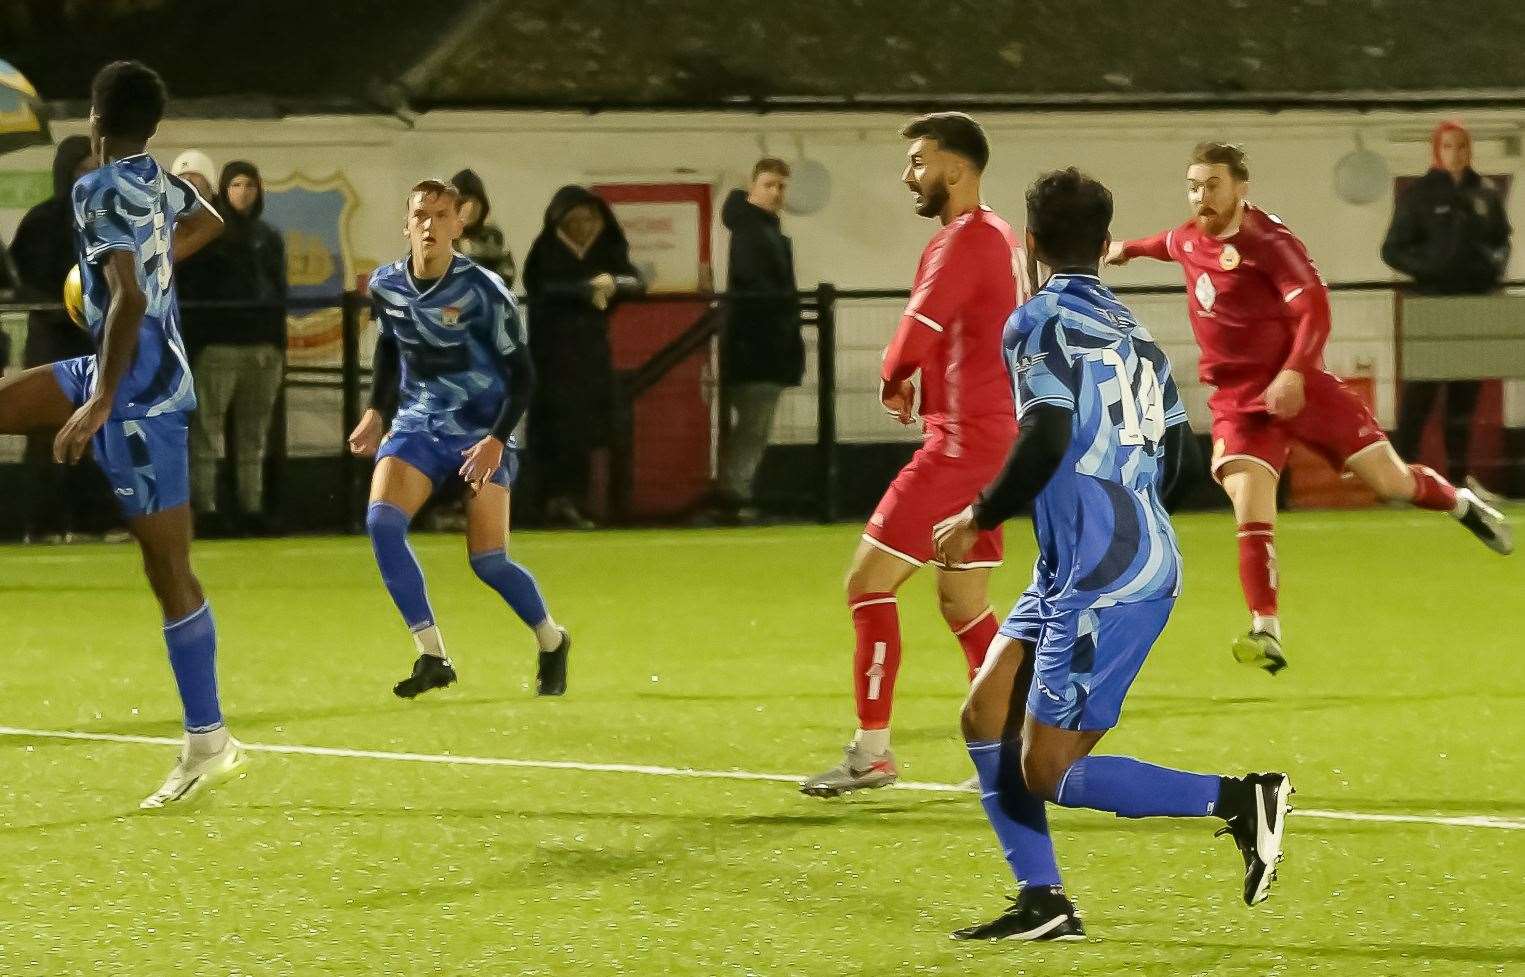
74	297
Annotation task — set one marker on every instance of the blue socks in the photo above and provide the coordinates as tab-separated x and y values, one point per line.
192	642
404	578
513	583
1017	817
1131	788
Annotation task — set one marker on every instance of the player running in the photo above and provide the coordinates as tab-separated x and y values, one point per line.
129	403
1101	425
969	279
452	364
1260	313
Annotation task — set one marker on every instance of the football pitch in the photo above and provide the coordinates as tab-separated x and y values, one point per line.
627	828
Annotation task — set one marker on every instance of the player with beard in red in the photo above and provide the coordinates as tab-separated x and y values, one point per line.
970	278
1260	313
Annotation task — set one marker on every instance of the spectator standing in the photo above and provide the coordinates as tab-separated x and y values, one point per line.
243	357
761	351
196	168
577	269
62	499
481	241
1450	235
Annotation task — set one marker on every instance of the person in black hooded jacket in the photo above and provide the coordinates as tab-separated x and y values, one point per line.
1451	236
577	269
481	241
63	499
242	351
761	350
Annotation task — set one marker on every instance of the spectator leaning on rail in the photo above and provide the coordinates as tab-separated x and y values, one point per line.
243	350
761	350
62	499
1450	235
481	241
578	267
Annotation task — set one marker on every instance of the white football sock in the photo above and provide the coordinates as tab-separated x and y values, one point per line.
874	742
208	743
428	641
1266	624
548	634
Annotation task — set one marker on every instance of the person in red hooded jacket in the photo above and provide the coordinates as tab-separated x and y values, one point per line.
1451	236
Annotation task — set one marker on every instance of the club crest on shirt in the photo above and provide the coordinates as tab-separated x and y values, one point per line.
450	315
1229	259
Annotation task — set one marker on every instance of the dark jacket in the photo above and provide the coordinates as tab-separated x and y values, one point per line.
762	342
44	251
1451	238
482	242
246	263
569	336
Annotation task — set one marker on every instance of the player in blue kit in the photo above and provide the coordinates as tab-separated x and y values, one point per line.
453	377
1101	431
129	403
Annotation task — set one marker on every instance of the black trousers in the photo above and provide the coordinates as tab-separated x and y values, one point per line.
1417	400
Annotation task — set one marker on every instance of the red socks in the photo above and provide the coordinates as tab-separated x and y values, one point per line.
1431	491
975	637
1257	567
876	661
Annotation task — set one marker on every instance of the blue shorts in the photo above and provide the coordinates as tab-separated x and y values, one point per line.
1085	659
440	456
146	459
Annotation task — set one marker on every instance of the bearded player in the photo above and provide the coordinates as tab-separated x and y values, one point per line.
1260	313
968	281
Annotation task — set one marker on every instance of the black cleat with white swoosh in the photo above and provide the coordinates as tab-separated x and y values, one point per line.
1040	912
1255	808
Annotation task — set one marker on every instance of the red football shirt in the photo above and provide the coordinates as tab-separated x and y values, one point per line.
970	279
1258	304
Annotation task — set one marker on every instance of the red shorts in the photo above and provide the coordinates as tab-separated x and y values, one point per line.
1334	422
929	489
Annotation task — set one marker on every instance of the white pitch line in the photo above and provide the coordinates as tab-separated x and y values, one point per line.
1462	821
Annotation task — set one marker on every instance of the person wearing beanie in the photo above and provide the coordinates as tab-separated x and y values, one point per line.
482	242
196	168
1451	236
241	355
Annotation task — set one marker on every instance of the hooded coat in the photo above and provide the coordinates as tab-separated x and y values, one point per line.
569	335
43	251
483	242
1451	237
246	263
762	342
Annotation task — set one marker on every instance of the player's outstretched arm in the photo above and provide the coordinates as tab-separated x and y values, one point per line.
194	229
119	341
1156	247
1040	447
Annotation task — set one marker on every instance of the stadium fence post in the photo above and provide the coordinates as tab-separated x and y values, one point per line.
826	396
349	317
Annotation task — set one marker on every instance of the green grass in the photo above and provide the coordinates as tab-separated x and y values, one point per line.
728	650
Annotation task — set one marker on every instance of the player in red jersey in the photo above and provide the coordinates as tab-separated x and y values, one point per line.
1260	313
970	278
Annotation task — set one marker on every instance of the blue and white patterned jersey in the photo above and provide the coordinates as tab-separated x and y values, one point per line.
131	205
452	337
1103	535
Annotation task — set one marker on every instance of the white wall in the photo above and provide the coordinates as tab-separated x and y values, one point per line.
866	236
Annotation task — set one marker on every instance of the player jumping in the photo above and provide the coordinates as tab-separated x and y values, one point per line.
130	402
1260	313
1101	424
969	279
453	363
